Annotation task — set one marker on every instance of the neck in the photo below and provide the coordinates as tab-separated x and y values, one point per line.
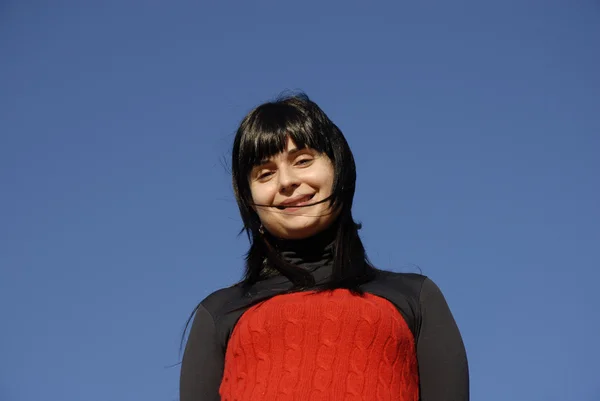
308	253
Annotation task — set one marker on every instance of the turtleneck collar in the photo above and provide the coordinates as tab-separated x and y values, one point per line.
309	253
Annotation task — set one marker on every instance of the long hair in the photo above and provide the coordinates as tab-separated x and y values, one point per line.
263	133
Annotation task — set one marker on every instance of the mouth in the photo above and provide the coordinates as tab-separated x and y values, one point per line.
295	202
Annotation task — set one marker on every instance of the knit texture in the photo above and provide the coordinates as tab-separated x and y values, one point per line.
329	346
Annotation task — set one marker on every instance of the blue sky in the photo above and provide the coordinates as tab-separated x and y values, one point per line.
476	129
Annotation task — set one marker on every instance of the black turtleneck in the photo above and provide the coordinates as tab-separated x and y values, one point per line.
310	254
441	356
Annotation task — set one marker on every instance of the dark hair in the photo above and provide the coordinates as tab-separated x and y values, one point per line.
262	134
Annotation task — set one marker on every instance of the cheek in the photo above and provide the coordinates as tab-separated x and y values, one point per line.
330	183
327	181
261	194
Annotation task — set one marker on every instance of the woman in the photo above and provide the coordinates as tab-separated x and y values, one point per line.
313	319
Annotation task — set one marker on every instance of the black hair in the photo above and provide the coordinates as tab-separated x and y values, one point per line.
263	133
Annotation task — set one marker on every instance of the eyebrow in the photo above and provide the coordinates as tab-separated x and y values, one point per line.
292	152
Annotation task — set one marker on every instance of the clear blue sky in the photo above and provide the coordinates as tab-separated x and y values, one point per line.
476	129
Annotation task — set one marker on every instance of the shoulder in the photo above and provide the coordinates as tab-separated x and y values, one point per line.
401	276
409	284
217	302
406	291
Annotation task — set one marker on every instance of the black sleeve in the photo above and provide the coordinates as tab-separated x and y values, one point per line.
203	360
441	355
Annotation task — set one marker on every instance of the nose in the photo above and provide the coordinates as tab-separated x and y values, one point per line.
288	181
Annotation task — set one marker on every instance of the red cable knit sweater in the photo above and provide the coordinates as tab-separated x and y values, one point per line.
321	346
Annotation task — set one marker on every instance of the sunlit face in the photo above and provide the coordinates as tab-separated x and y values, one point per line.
293	178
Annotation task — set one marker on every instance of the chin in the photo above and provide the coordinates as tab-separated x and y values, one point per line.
298	226
301	231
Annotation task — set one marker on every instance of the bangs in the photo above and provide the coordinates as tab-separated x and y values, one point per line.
264	133
266	130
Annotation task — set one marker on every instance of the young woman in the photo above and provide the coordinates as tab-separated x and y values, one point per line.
313	319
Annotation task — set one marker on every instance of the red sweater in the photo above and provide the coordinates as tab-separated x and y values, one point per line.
321	346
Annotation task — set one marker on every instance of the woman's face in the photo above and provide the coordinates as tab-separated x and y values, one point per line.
292	178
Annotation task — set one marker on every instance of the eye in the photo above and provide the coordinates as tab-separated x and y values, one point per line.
264	175
302	161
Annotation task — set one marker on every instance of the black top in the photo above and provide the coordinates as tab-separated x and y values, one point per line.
441	356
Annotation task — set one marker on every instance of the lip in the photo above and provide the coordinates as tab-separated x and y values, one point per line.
295	201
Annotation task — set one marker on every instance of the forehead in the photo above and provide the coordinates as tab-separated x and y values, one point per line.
290	145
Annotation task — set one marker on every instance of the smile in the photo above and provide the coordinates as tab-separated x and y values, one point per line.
295	202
